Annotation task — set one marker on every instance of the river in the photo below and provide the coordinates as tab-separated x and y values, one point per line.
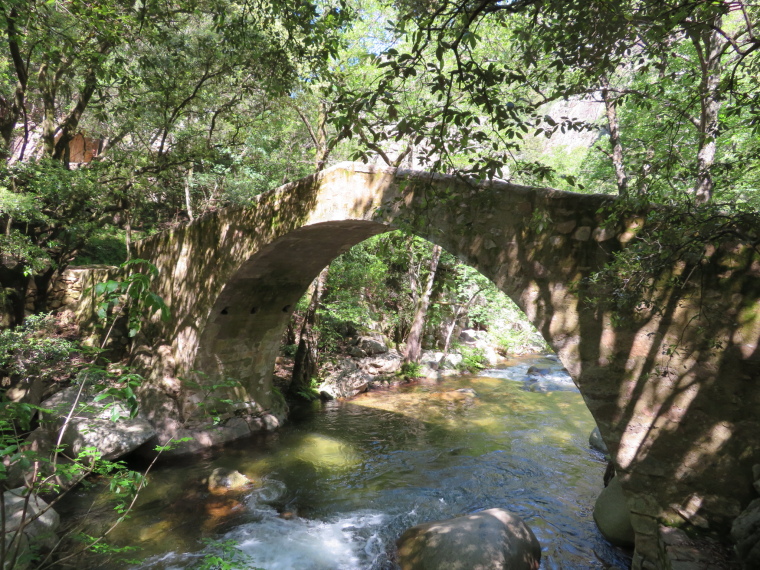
341	480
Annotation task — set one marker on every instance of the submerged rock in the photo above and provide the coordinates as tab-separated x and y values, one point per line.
222	481
490	539
612	516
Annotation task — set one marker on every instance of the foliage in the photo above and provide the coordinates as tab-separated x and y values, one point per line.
473	359
224	555
106	246
311	393
210	404
48	212
181	107
132	295
485	77
410	370
32	350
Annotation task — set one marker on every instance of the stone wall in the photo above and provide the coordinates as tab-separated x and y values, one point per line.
72	296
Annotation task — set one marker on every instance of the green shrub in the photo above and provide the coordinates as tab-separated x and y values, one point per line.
473	359
411	370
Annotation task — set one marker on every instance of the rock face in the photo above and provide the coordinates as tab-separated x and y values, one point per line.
745	532
493	539
91	426
612	516
37	535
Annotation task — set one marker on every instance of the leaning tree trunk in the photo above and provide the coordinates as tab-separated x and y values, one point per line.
306	360
414	340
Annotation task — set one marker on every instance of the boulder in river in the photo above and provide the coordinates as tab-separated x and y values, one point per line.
222	481
490	539
345	383
612	516
388	362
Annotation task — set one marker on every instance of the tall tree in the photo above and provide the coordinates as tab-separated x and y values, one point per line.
492	67
156	90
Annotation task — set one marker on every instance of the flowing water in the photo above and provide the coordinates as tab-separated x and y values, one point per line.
341	481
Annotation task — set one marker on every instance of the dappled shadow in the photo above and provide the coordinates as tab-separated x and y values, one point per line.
676	409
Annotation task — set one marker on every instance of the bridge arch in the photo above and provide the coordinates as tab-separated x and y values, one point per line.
681	425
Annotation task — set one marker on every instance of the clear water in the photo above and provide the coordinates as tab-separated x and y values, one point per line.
342	480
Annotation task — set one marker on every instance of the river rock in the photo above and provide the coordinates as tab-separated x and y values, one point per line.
222	481
596	442
346	382
490	539
388	362
372	344
91	426
470	335
356	352
612	516
451	361
36	535
434	363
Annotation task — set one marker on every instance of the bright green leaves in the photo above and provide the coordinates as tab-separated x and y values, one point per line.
131	295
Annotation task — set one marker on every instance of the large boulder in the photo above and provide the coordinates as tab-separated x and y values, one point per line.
612	516
372	344
388	362
91	425
493	539
39	534
345	382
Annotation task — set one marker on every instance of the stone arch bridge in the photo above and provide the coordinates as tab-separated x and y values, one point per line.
680	415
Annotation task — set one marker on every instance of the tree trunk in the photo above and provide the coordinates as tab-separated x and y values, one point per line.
710	46
188	198
414	340
610	107
306	360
